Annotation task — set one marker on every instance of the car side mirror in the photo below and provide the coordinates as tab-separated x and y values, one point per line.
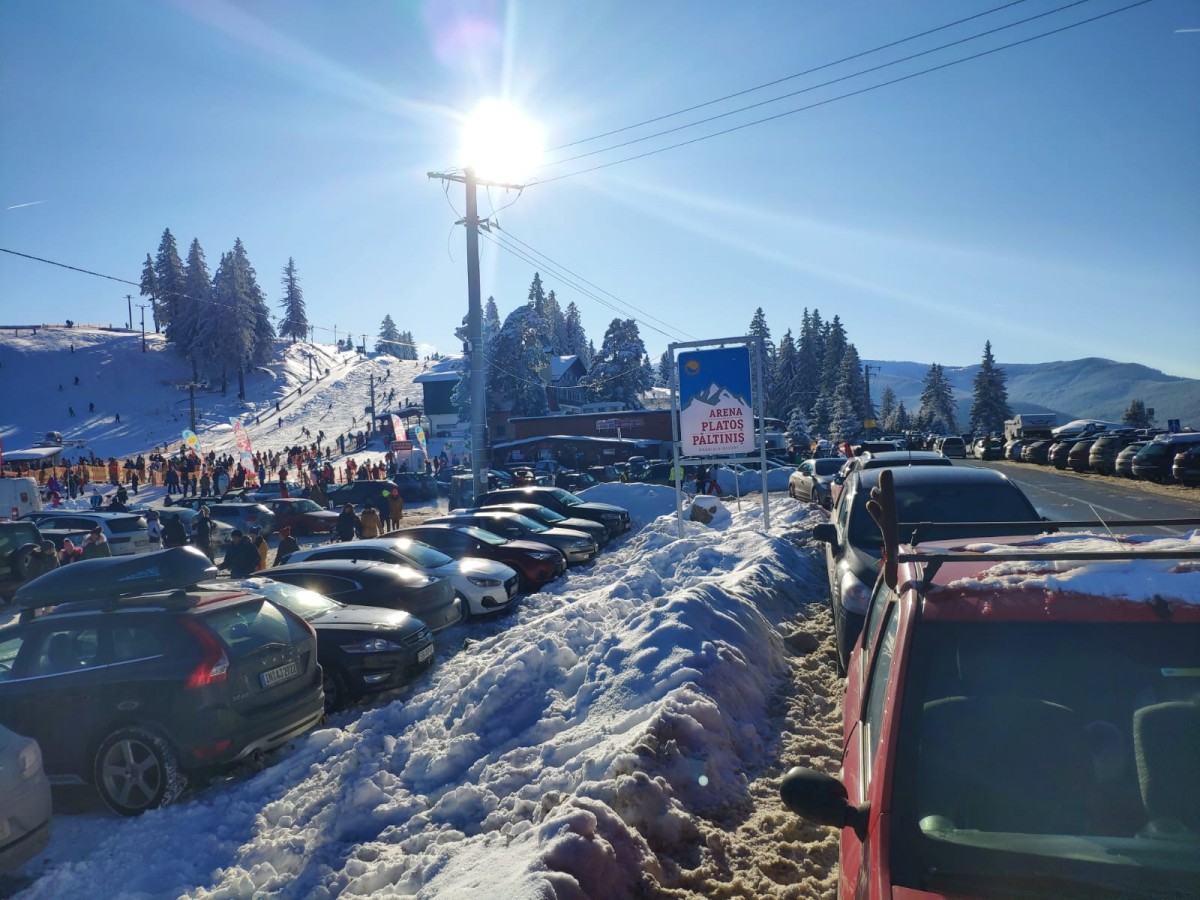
822	799
826	532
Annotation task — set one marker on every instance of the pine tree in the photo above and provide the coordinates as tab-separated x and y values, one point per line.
937	403
168	280
194	305
295	319
556	326
798	432
576	337
760	329
664	369
784	397
389	337
149	288
237	330
1136	415
887	405
847	421
491	322
516	362
989	404
897	421
618	374
809	353
406	347
834	343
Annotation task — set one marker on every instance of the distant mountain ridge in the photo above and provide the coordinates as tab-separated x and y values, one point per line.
1079	388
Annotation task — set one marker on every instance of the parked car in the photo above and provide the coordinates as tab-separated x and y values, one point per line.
1059	453
240	514
270	490
125	532
573	481
884	460
486	586
220	533
812	480
25	804
365	582
577	546
415	486
537	564
1077	458
130	678
1153	462
1004	737
614	518
949	494
303	516
1186	467
20	559
1037	452
989	449
1124	463
362	650
1102	458
1012	450
604	474
362	493
952	446
552	519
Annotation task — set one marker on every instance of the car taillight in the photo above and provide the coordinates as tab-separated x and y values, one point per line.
213	667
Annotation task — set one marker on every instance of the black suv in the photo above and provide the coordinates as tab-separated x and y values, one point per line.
131	690
563	502
20	556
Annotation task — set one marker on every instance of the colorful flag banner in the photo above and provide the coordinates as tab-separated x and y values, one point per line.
191	441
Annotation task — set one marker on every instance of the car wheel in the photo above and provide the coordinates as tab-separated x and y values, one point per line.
135	770
466	606
839	633
337	690
25	561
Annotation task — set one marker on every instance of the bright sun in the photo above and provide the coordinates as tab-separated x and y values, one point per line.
501	143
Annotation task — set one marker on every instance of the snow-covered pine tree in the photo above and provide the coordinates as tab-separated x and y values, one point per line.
664	369
388	338
491	321
168	279
937	402
556	325
784	397
407	348
149	288
617	374
295	318
194	304
887	405
516	361
989	403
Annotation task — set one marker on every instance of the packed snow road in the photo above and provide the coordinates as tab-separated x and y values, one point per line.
621	733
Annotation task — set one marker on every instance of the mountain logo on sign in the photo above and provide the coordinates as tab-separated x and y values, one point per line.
715	395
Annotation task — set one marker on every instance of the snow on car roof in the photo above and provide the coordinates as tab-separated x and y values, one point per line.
1132	578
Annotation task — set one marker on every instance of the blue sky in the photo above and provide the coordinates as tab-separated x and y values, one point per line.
1044	197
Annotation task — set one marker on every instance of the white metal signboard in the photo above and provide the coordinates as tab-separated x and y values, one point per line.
716	415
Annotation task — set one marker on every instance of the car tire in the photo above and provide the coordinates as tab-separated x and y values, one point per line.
337	688
841	652
25	561
136	769
466	606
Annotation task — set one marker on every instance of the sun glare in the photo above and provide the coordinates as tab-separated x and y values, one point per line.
501	143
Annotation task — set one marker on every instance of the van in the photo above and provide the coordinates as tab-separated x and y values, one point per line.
18	497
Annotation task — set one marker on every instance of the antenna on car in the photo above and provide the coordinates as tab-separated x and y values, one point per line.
882	507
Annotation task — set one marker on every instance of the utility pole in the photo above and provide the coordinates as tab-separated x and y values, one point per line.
870	406
371	424
479	449
129	303
142	307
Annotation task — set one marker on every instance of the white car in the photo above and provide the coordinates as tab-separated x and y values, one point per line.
24	798
125	532
487	586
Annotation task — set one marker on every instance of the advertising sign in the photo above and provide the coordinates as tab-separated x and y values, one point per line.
716	415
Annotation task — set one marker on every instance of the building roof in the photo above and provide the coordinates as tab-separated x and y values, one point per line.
560	365
444	369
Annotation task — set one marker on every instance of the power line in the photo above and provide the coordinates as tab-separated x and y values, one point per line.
823	84
845	96
759	87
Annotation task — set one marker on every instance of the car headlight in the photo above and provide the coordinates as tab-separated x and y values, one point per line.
372	645
543	554
481	581
29	762
856	596
582	545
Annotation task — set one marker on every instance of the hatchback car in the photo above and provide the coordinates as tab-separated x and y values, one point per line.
125	532
1186	467
1078	458
577	546
1036	452
1102	458
939	494
303	516
612	517
1020	720
811	480
486	586
25	804
537	564
1059	454
952	446
362	650
130	678
365	582
1123	466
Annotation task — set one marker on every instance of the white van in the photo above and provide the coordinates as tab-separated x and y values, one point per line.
19	496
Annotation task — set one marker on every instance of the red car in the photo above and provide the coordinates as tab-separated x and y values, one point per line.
302	515
1021	720
536	564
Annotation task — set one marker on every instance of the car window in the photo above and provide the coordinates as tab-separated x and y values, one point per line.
877	685
137	641
246	627
329	585
59	651
483	536
942	503
126	525
879	602
9	648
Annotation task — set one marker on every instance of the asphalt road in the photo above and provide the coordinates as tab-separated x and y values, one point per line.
1060	496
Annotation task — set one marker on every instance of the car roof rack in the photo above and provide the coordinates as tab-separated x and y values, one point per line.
1046	526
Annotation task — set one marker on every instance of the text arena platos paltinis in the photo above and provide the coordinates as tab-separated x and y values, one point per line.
716	417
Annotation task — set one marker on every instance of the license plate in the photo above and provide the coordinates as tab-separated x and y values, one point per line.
283	673
425	654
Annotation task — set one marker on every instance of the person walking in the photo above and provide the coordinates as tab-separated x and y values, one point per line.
154	529
287	545
241	559
348	525
173	532
371	525
95	545
260	547
203	532
395	508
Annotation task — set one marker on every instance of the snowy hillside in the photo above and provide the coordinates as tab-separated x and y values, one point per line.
148	392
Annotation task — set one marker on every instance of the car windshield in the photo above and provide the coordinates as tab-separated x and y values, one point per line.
485	537
1096	785
525	523
307	604
302	506
419	554
545	514
827	465
946	502
566	497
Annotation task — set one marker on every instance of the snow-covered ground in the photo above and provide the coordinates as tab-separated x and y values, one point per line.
621	733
